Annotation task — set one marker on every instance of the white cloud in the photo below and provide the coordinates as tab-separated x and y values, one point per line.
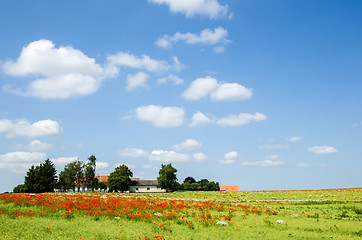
188	144
199	157
294	139
302	165
63	72
210	8
231	91
265	163
20	162
200	119
177	65
218	49
137	80
161	116
171	78
169	156
101	165
62	161
133	153
241	119
35	146
21	127
269	161
206	36
200	88
323	150
274	147
128	60
229	157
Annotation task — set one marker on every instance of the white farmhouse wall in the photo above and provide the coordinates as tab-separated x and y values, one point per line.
145	189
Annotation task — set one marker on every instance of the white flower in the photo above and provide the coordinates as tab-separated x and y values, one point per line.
280	221
221	223
117	218
157	214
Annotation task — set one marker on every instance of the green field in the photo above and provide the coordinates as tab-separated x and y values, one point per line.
309	214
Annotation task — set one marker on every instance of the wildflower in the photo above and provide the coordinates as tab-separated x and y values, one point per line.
280	221
117	218
157	214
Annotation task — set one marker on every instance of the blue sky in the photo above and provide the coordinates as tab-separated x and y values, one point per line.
259	94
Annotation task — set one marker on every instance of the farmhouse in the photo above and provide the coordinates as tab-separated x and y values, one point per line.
229	188
138	185
144	186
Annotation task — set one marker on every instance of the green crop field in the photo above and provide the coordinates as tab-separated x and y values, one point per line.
307	214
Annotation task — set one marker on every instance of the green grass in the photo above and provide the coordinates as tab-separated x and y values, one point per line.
248	215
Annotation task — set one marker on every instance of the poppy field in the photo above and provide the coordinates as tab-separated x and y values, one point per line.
307	214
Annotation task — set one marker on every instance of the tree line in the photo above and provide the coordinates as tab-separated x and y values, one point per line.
77	174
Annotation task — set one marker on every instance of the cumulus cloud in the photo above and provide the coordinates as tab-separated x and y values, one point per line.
171	78
61	73
168	156
199	157
229	157
269	161
133	153
137	80
294	139
35	146
122	59
161	116
20	162
189	144
206	36
210	8
323	150
231	91
62	161
208	86
22	127
200	88
241	119
200	119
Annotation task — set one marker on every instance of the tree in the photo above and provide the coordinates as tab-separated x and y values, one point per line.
42	178
189	180
167	177
31	180
103	185
19	189
119	180
72	176
48	176
90	173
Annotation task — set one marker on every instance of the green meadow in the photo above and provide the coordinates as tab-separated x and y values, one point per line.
307	214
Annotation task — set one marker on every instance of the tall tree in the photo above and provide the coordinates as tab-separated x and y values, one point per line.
90	173
72	176
119	179
167	177
31	179
42	178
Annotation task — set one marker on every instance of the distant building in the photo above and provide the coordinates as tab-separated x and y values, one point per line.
143	186
229	188
138	185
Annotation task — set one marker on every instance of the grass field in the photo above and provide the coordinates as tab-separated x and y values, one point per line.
309	214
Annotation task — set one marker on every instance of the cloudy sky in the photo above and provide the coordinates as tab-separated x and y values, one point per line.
259	94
